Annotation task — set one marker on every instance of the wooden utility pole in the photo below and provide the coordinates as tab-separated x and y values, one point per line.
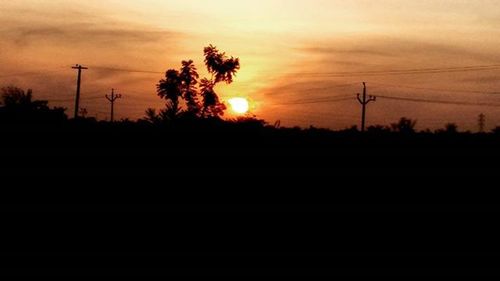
364	101
112	100
78	87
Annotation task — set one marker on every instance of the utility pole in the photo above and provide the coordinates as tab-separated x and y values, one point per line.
364	101
482	122
78	86
112	100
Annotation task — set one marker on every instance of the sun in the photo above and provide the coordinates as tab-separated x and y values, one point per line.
239	105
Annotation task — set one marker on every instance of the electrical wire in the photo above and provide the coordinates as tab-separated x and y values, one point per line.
421	100
315	101
432	89
22	74
403	71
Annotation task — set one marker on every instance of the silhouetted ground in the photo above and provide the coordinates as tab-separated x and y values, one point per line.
210	198
207	144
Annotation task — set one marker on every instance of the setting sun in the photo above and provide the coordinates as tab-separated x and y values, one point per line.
239	105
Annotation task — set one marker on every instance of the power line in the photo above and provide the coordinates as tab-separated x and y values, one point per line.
347	74
390	97
403	71
92	98
332	74
322	88
283	89
128	70
21	74
432	89
319	99
315	101
60	100
399	98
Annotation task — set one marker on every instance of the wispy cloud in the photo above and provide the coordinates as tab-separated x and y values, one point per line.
88	35
373	47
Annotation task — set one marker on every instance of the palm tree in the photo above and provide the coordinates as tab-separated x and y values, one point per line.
189	80
170	89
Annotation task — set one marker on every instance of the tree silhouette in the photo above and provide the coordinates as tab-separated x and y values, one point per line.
404	126
223	69
19	106
378	129
13	97
212	107
170	90
183	85
152	117
220	66
451	128
189	79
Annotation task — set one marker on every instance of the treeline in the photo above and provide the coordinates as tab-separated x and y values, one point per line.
19	107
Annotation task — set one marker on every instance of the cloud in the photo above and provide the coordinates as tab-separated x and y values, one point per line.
483	79
330	50
100	34
67	26
396	48
88	35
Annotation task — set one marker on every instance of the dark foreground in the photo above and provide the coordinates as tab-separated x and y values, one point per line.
82	201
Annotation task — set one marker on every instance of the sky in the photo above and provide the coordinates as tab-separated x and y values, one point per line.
302	61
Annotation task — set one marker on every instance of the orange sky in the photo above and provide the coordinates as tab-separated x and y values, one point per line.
291	52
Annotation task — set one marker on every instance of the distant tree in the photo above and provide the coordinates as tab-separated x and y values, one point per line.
14	97
378	129
151	116
404	126
182	85
451	128
19	106
83	112
496	130
350	130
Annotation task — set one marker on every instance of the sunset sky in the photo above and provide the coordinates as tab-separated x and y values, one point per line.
299	58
